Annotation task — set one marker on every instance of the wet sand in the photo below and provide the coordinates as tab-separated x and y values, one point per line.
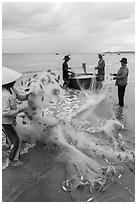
40	177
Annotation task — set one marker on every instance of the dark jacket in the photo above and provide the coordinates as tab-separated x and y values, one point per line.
101	70
65	70
122	76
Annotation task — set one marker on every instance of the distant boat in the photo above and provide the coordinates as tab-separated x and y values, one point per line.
57	53
118	53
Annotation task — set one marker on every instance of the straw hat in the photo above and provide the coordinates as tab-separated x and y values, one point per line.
124	60
100	54
9	75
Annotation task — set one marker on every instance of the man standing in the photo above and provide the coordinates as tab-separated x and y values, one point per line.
66	71
121	80
101	71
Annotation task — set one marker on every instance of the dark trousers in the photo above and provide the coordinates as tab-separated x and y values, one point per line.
99	81
121	93
14	139
66	82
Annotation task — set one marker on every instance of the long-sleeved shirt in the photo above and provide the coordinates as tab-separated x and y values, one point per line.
101	70
122	76
101	67
9	104
65	70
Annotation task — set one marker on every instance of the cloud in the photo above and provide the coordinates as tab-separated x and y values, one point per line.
78	26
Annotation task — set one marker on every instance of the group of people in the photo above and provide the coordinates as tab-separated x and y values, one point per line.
10	95
121	76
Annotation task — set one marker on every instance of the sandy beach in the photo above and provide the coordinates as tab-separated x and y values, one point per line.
40	177
73	63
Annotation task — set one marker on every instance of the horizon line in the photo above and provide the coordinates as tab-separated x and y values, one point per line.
57	53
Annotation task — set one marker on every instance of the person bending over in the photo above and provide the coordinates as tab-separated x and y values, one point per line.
9	111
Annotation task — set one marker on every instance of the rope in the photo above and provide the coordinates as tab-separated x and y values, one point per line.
126	188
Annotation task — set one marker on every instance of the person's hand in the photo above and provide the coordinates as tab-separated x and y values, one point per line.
31	93
28	94
20	110
114	78
23	109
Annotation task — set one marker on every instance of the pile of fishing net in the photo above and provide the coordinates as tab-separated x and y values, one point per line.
92	149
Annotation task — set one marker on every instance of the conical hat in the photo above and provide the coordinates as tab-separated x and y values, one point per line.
9	75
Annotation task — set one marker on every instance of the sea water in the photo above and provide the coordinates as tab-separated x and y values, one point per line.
32	63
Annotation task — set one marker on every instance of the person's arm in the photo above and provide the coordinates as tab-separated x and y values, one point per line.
21	96
122	74
101	64
65	66
6	111
70	72
113	74
96	67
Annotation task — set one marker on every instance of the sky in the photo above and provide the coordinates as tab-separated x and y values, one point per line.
65	27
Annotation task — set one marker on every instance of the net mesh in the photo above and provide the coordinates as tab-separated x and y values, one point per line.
91	148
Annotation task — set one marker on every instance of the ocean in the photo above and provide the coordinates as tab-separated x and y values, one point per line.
40	177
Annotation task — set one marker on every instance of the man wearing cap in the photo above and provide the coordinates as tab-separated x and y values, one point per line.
66	71
121	80
101	71
9	111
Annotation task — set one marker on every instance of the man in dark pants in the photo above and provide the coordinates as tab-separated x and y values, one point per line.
121	93
66	71
121	80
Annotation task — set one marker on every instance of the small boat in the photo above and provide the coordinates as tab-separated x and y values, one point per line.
81	81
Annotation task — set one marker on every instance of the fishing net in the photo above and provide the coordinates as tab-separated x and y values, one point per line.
91	148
